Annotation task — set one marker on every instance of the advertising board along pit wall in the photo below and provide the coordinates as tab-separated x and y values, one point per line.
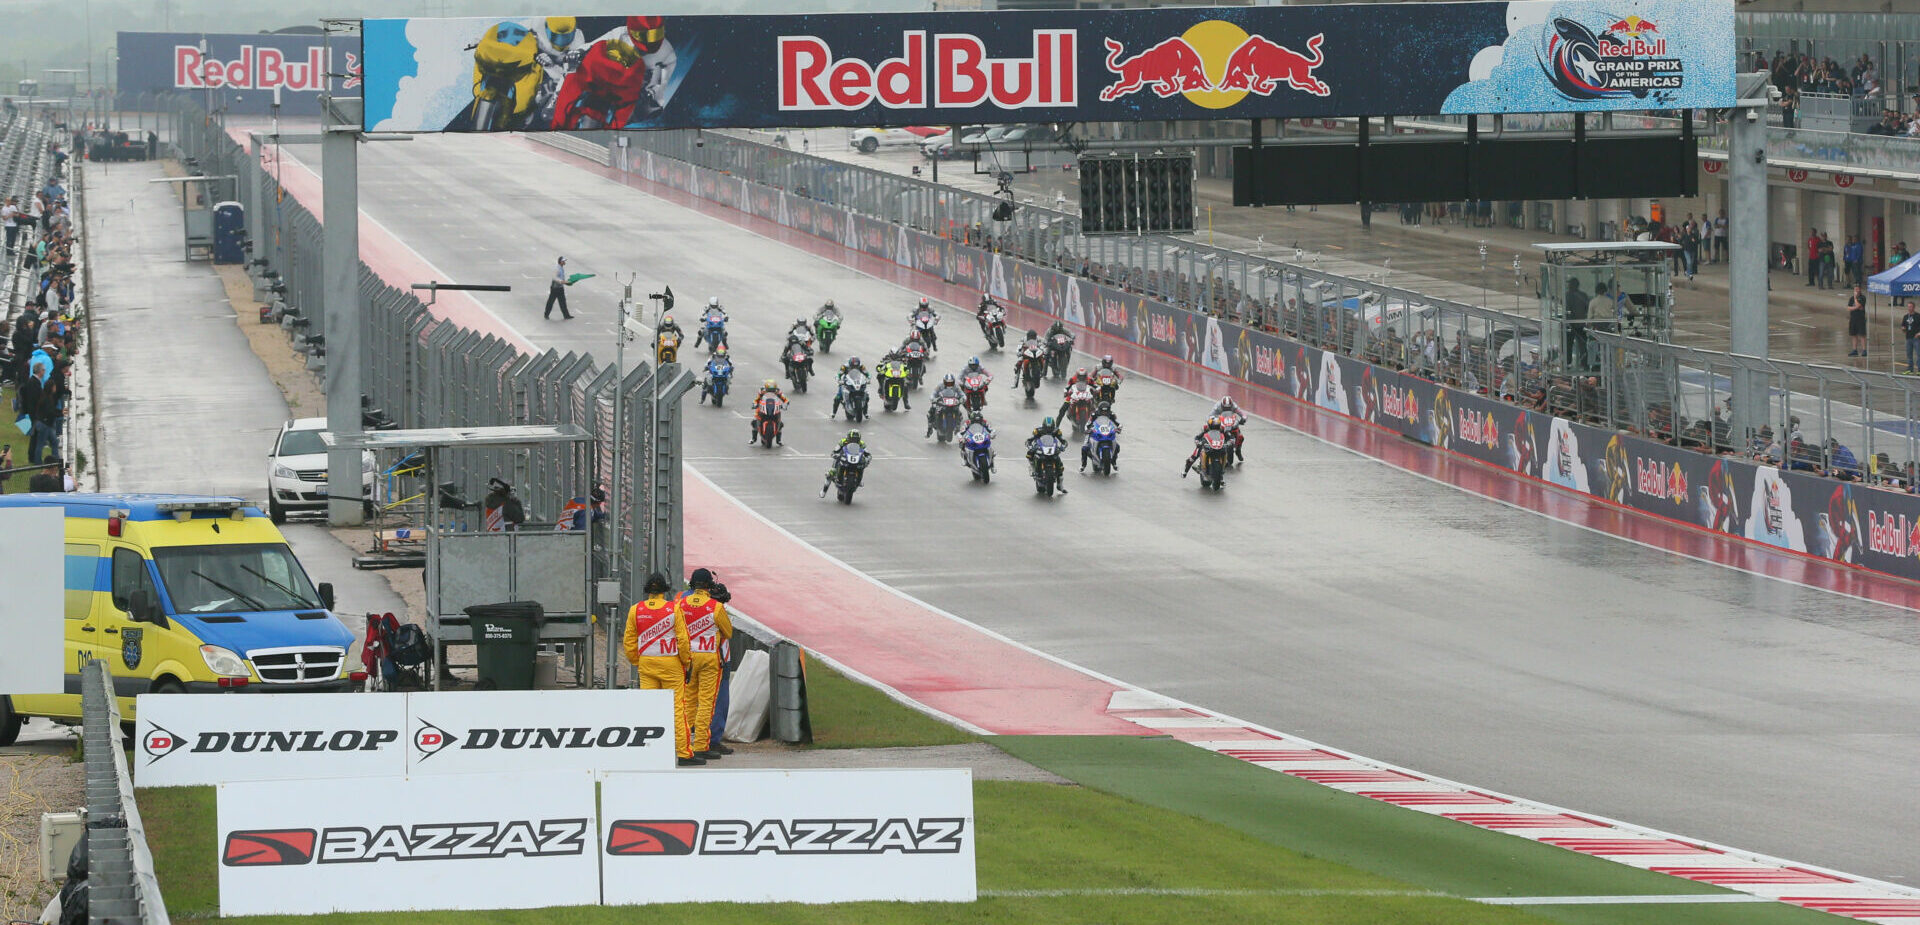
559	73
1844	522
192	739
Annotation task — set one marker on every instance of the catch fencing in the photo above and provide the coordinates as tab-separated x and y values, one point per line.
424	370
121	886
1620	435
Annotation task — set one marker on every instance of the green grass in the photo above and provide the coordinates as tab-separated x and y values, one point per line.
847	714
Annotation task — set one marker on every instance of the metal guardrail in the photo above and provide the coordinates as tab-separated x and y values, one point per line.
121	886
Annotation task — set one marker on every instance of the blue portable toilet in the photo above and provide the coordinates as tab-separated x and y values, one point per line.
229	232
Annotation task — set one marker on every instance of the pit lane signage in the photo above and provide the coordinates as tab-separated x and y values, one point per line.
898	69
462	841
789	836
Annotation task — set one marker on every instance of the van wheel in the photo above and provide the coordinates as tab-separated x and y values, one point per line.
275	512
9	722
869	145
167	686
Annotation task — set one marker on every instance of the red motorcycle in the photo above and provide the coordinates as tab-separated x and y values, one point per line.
766	419
1231	420
1079	405
974	385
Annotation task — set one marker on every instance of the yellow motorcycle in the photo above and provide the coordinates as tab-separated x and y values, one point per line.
506	77
666	346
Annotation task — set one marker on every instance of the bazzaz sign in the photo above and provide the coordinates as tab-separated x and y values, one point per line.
533	838
785	836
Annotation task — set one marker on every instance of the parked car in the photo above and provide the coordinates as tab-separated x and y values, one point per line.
297	470
869	140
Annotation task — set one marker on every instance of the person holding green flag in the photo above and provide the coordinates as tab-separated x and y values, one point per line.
558	291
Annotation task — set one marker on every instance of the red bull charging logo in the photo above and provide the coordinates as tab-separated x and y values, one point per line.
1214	65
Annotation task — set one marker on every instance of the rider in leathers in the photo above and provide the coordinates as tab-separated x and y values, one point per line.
1225	405
839	394
1047	427
947	389
1080	375
753	426
1200	443
1102	410
853	436
892	366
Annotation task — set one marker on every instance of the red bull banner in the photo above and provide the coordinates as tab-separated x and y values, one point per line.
566	73
237	71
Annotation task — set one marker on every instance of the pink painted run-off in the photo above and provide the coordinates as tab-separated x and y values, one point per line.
950	666
386	255
1444	466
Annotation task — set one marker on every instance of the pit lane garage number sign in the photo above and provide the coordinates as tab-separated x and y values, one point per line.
565	73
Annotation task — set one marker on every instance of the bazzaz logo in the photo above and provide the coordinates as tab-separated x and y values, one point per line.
158	743
430	740
533	838
629	837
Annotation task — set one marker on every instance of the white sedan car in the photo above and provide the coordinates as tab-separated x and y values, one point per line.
297	470
869	140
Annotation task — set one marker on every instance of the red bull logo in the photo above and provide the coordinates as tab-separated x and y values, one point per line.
1658	481
956	74
1398	402
1215	65
1634	26
1479	427
1892	534
257	69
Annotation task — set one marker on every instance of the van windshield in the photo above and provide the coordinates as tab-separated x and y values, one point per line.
239	578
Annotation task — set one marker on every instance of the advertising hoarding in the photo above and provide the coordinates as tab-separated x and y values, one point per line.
198	739
238	71
789	836
878	69
452	732
32	563
464	841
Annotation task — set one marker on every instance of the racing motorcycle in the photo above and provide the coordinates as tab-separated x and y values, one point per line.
1106	384
1079	405
666	346
826	327
766	419
1047	468
1033	365
719	378
799	362
893	391
1232	420
1103	442
924	321
1214	450
974	386
1059	353
849	465
713	329
993	325
853	395
916	356
945	416
976	448
508	75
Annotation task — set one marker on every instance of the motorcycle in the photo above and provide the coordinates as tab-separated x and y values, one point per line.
826	328
719	378
893	391
506	59
798	363
1106	385
1059	353
666	346
924	321
945	416
849	465
766	419
1232	420
976	447
1079	405
1103	439
1033	365
993	325
1047	469
713	330
1213	460
974	385
853	395
916	366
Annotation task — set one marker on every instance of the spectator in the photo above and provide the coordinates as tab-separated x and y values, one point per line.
1857	322
1828	262
10	213
1910	326
1854	257
39	396
6	467
1841	462
1690	245
1765	448
46	480
1813	257
1720	237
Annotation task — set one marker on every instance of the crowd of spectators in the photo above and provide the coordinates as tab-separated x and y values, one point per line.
36	346
1796	74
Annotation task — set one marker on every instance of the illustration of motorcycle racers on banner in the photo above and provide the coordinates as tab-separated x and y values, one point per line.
550	73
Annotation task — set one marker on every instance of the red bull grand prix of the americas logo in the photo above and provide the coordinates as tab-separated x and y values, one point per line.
1215	64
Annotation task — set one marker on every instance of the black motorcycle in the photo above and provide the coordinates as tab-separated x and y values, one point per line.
849	467
993	325
799	363
1047	467
1033	365
945	416
1059	353
1214	449
853	395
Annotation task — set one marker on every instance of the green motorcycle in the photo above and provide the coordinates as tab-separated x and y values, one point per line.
826	326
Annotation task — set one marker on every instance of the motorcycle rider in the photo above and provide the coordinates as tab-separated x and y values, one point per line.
806	348
717	364
1106	379
660	333
840	393
925	306
949	388
1047	428
1225	405
1059	327
753	427
1102	410
976	416
914	350
824	310
801	331
853	437
713	313
1079	376
1200	443
894	366
562	46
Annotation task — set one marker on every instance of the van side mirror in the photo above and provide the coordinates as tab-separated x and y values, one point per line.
326	594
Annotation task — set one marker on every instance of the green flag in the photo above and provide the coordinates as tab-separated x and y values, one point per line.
578	277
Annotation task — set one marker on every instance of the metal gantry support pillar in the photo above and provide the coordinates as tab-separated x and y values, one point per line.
340	285
1747	250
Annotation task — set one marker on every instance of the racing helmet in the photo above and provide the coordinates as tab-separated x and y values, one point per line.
853	436
562	31
666	321
1106	362
1046	423
720	351
1226	401
923	302
1031	334
1214	421
915	336
948	380
647	32
769	384
713	301
976	416
1105	407
799	322
828	305
973	363
1082	371
853	362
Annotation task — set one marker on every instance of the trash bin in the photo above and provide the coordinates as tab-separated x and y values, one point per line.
505	637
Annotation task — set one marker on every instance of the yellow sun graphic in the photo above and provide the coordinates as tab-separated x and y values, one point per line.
1216	41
